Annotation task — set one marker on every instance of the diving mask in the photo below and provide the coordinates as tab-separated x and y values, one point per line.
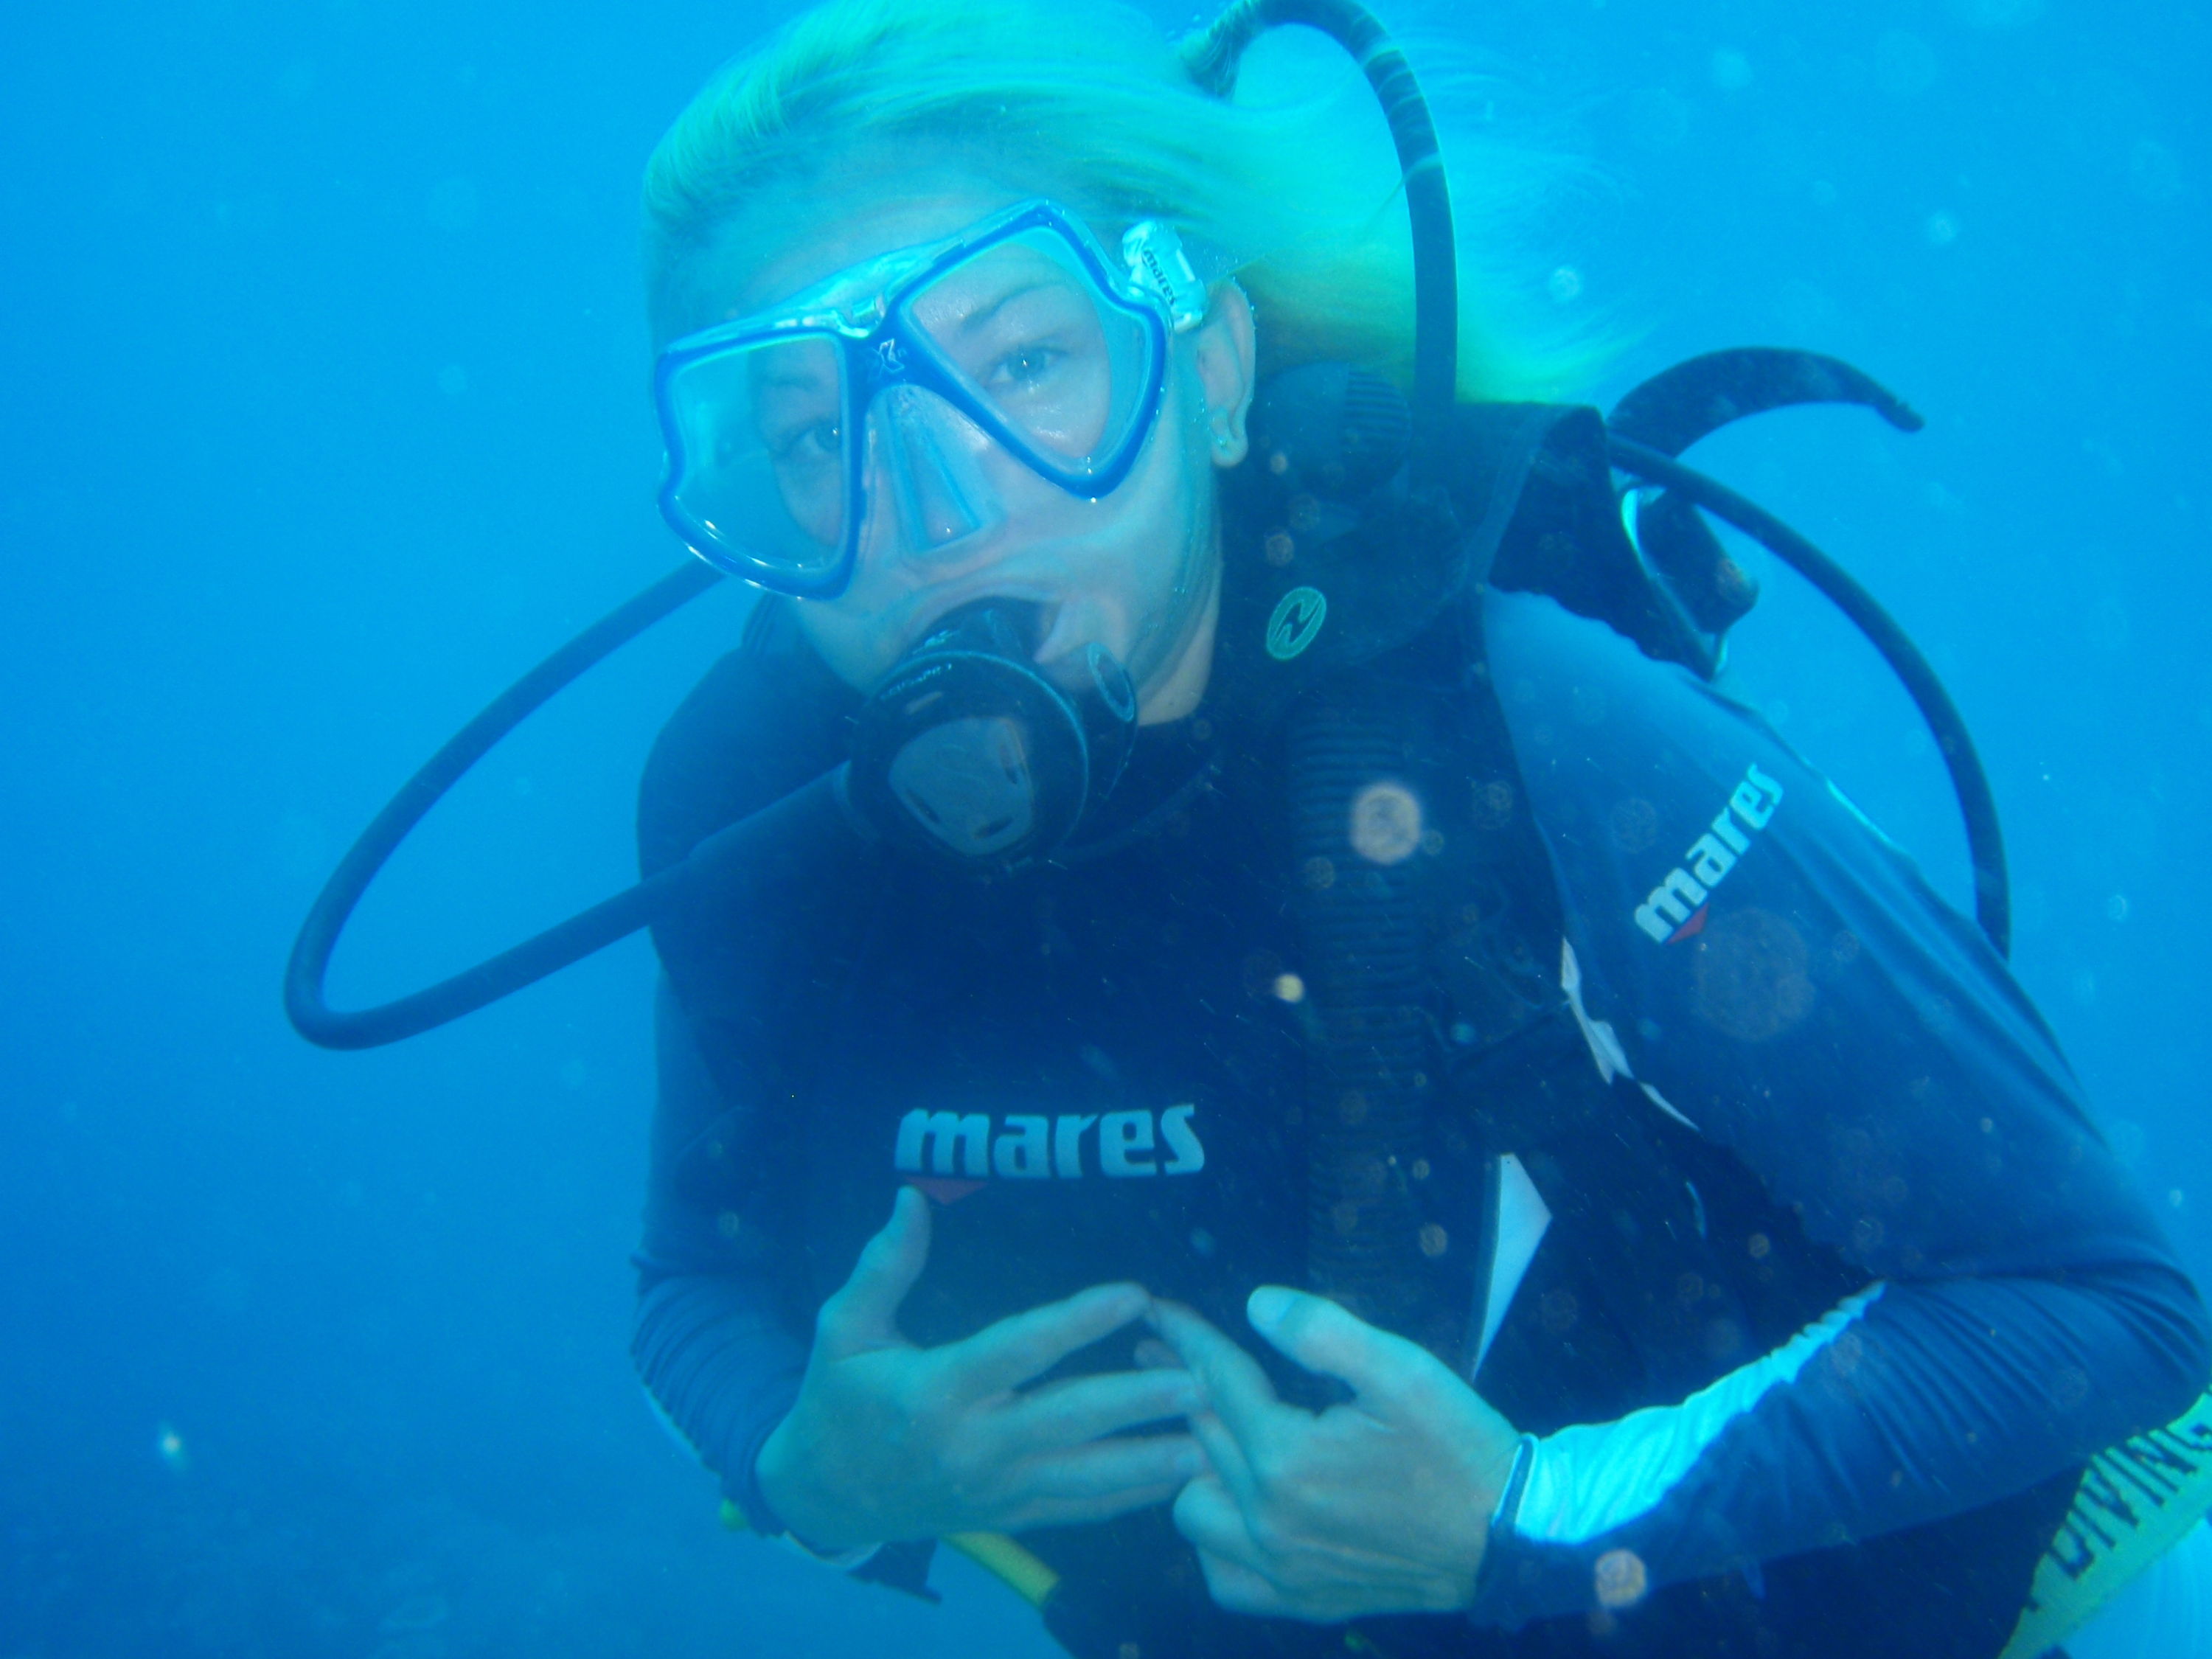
879	388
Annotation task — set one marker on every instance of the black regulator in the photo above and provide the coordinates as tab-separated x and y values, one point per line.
967	752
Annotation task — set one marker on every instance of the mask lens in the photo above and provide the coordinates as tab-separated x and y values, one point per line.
760	432
1024	325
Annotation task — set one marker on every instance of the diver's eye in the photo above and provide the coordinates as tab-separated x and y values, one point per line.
1025	365
817	441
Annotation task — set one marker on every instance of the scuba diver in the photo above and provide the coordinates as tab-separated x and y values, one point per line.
1243	1033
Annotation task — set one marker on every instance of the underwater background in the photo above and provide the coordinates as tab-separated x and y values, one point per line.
325	415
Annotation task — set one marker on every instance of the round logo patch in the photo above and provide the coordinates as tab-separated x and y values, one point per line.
1298	619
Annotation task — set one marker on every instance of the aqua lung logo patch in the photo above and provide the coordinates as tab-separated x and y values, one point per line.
1298	616
1023	1147
1676	907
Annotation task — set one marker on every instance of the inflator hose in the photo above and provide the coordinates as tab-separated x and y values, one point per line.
534	959
1976	802
1212	59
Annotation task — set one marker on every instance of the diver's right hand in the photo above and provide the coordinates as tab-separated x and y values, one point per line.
888	1441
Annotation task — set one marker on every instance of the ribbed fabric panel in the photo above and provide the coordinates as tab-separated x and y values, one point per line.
722	1374
1362	926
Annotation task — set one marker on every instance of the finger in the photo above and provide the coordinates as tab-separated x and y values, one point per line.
864	1313
1082	1408
1152	1463
1086	1512
1154	1355
1207	1514
1384	1370
1236	1390
1009	1353
1225	1457
1236	1588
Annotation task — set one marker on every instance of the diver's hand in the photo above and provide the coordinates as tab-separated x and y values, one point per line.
890	1441
1380	1506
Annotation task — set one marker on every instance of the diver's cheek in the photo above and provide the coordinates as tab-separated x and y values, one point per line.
858	646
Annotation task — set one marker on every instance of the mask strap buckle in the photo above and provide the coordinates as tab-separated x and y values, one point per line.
1154	255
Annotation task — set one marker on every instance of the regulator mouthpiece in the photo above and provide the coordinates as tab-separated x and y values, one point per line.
967	753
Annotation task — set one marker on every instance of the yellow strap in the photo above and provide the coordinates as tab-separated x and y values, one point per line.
995	1552
2135	1503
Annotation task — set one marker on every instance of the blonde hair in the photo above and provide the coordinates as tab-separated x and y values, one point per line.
1296	196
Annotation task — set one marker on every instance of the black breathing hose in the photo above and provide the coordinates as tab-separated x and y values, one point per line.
1213	59
1976	802
534	959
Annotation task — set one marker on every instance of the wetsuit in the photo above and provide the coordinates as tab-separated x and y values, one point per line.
1760	1194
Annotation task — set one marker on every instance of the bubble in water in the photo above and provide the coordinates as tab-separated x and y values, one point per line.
1634	824
1750	975
1622	1580
169	1445
1386	823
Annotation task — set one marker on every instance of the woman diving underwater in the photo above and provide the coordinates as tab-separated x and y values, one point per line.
1404	1117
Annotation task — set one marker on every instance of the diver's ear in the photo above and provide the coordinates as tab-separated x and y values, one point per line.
1225	353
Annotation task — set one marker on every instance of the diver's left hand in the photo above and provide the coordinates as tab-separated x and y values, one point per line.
1379	1505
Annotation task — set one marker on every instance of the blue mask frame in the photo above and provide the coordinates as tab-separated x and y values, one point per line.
864	313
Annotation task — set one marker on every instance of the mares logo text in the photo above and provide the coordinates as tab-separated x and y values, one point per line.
1676	907
1022	1148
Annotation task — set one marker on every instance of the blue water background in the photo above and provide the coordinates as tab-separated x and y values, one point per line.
324	416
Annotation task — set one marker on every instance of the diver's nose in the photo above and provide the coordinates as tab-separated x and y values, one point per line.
926	485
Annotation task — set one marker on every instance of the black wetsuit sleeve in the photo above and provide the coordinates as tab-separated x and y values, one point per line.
719	1342
1748	955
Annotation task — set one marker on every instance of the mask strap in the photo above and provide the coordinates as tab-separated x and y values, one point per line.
1157	264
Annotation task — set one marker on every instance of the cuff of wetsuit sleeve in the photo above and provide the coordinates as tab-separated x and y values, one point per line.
1523	1579
741	1485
